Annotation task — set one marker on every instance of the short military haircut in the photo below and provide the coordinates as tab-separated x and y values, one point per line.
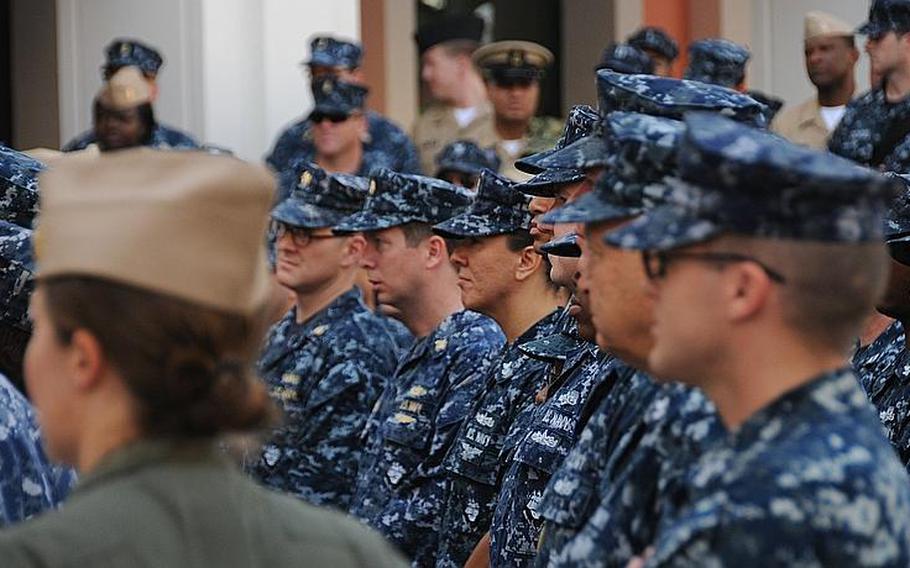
830	288
416	232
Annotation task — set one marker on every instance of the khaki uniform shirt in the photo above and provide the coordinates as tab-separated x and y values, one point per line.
436	127
543	132
159	504
803	124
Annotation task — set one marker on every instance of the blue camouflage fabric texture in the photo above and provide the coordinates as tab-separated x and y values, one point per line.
582	121
807	481
885	16
466	157
163	137
650	38
741	180
29	483
123	52
665	96
625	58
386	146
17	276
19	185
552	431
397	199
327	51
334	96
717	62
644	478
875	363
641	151
319	200
326	374
609	436
870	132
401	482
474	462
497	209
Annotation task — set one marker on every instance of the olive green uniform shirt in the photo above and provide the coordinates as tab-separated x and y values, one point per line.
159	504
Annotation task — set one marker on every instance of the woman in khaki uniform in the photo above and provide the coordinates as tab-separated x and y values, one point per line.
147	313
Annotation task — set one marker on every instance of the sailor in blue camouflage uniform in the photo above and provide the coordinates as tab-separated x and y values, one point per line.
461	162
411	428
130	52
604	502
327	360
19	186
660	47
494	244
580	372
873	131
29	483
341	59
805	476
717	62
883	367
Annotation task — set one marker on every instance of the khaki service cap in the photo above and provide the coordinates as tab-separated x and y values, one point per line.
822	24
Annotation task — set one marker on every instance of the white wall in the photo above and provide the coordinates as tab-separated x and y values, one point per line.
778	65
232	75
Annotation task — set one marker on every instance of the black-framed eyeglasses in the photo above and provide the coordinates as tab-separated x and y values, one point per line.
334	118
299	235
656	262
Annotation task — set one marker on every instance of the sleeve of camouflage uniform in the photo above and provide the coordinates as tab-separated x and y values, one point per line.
79	142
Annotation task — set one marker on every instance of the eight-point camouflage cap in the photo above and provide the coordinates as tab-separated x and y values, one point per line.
124	52
19	187
625	58
665	96
466	157
564	245
643	151
17	278
327	51
321	200
718	62
655	39
396	199
583	120
498	209
897	222
886	16
337	97
745	181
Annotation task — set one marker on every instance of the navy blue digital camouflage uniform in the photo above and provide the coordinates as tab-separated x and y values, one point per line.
326	372
18	187
473	463
871	122
401	480
876	361
809	480
387	146
125	52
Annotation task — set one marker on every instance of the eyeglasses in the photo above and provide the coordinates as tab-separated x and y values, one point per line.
299	235
318	117
656	262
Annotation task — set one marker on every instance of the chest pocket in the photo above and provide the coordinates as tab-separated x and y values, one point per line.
475	453
569	499
522	529
410	422
337	382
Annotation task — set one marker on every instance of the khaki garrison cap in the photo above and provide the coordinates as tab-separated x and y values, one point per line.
513	59
822	24
126	89
185	224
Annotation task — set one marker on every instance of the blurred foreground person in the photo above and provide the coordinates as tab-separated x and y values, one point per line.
139	413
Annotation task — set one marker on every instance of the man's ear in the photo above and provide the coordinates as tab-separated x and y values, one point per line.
747	291
529	262
436	251
353	250
86	360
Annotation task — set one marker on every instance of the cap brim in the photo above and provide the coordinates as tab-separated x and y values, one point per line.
553	347
366	221
548	182
584	153
530	164
663	228
301	214
590	208
469	226
565	246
